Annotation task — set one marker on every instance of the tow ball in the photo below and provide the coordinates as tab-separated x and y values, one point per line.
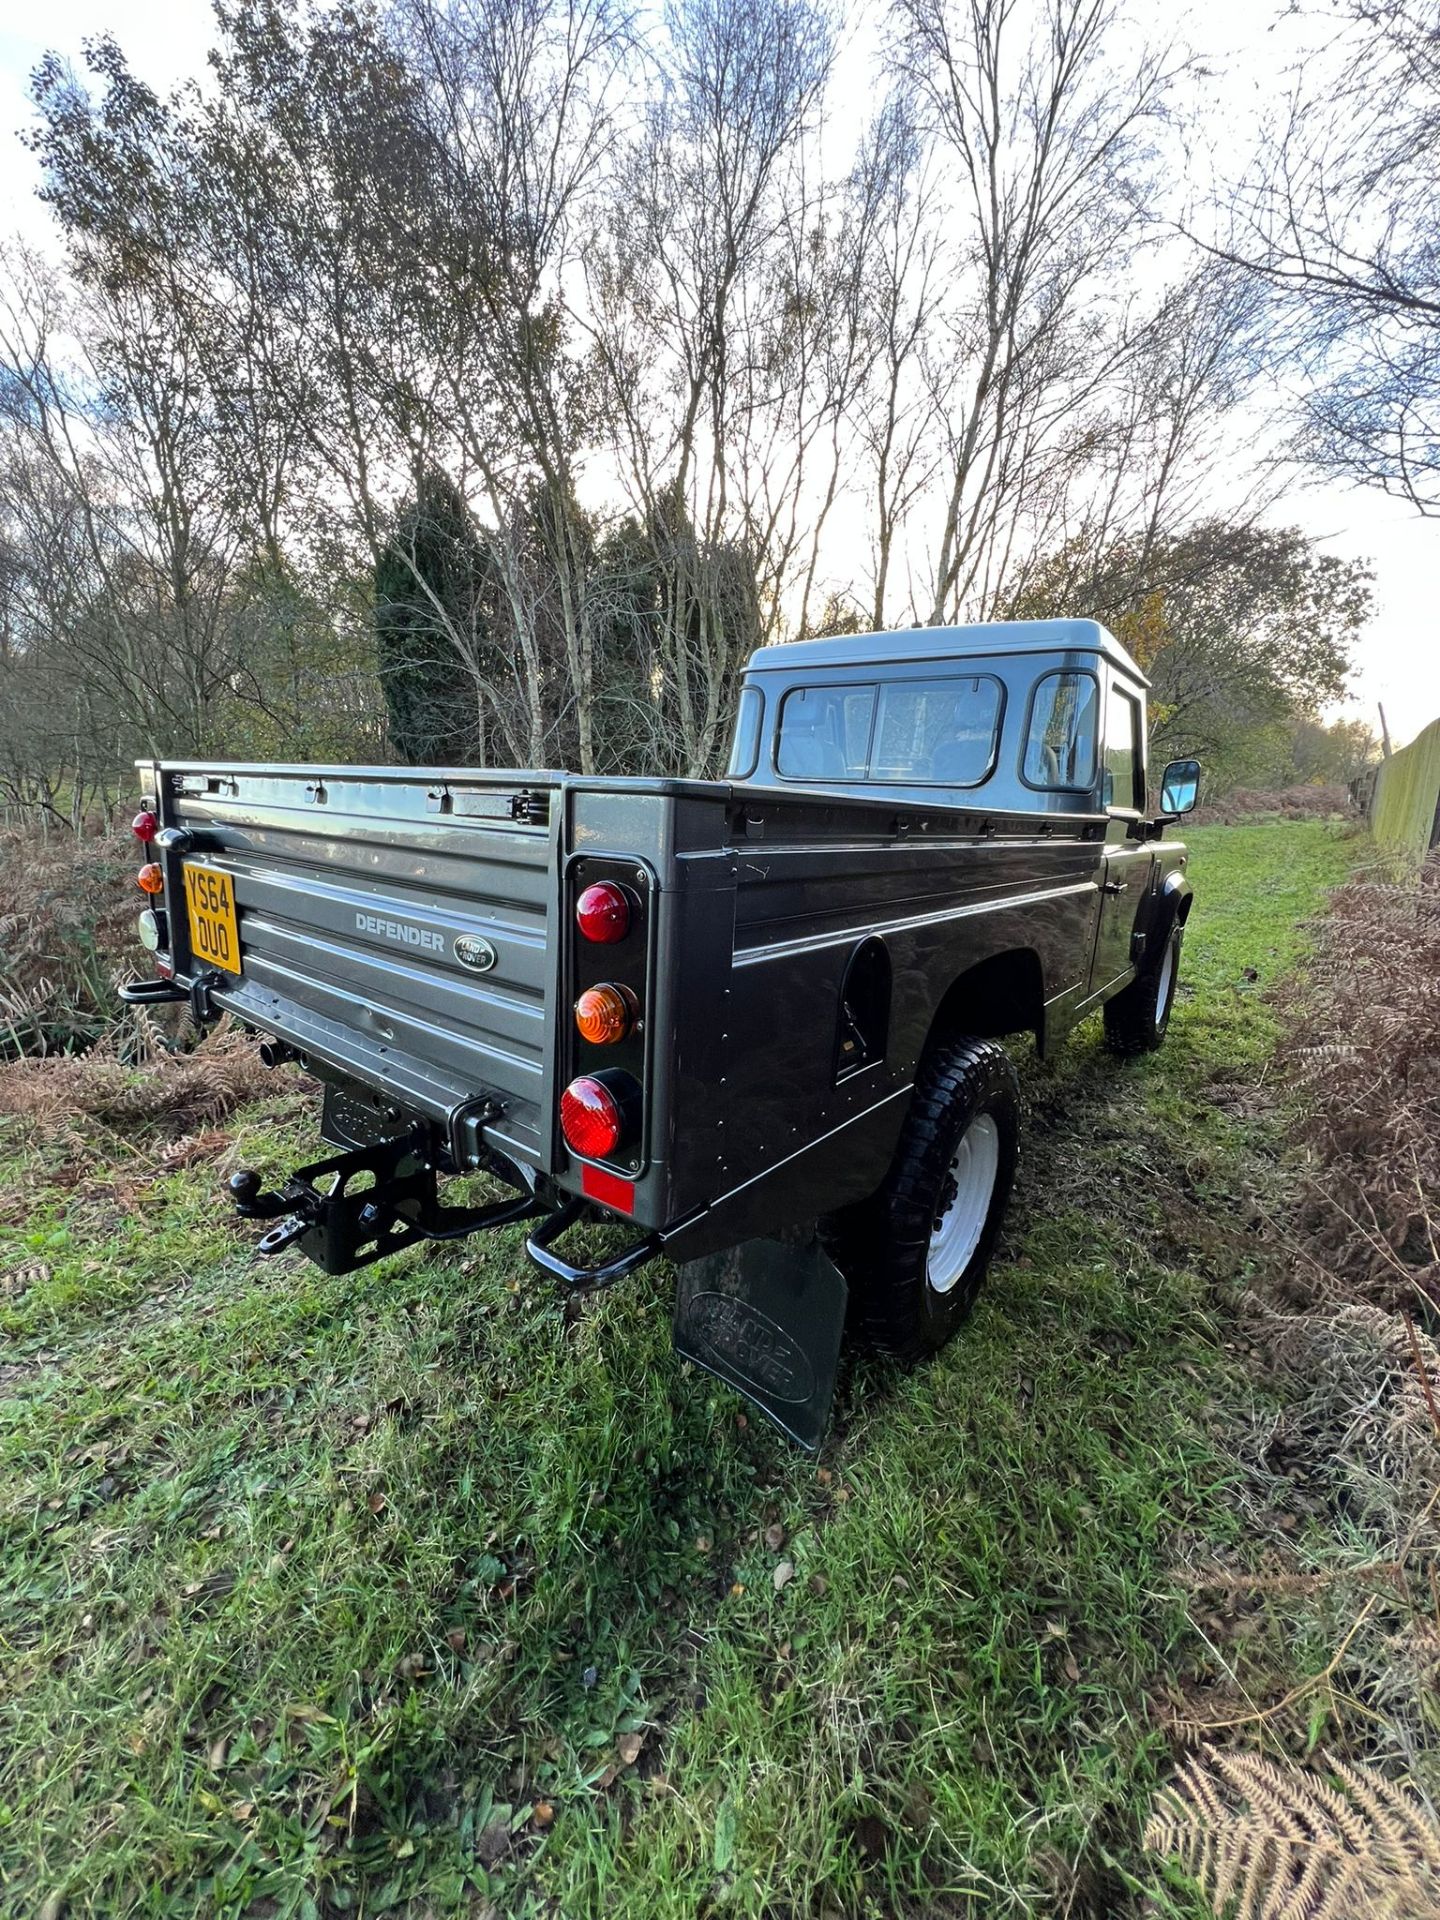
381	1198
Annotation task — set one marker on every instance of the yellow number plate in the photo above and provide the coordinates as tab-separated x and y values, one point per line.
214	930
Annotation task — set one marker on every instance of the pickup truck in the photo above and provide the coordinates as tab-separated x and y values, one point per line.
756	1022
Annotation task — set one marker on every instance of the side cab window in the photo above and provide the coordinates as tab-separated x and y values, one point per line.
1060	734
1124	777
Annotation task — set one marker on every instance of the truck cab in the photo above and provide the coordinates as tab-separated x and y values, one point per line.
1039	717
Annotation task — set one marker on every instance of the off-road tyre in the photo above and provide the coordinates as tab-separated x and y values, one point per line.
882	1245
1137	1018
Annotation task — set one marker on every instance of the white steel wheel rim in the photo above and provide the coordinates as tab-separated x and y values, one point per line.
1167	982
970	1183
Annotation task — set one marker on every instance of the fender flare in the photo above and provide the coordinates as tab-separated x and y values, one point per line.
1170	904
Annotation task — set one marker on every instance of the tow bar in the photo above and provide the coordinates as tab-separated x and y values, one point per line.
344	1227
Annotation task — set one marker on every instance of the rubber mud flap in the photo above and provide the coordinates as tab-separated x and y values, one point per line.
766	1317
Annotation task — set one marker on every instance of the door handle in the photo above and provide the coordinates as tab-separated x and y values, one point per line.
1115	886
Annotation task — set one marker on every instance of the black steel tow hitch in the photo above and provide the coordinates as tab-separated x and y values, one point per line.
349	1225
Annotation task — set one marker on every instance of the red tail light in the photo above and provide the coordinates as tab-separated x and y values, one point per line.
590	1118
602	913
597	1113
144	827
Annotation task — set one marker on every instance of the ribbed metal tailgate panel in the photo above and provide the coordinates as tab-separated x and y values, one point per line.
349	915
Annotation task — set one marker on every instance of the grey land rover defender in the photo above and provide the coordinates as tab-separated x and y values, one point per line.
757	1020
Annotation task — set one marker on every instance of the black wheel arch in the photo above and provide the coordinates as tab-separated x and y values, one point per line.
1166	908
1001	994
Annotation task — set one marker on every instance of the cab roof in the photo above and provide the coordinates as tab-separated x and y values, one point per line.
986	639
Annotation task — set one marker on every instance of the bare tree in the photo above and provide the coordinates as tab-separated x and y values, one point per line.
521	102
538	360
122	433
1045	137
902	270
709	328
1340	217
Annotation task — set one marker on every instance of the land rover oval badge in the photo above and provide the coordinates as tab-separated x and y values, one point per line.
474	952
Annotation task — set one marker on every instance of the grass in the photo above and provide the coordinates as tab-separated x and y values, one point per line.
413	1591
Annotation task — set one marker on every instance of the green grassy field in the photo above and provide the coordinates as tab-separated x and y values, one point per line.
418	1591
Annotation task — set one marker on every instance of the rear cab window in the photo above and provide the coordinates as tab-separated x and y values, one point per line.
937	732
825	733
1060	736
941	732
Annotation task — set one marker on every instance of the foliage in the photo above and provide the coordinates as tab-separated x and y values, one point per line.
1267	1842
1315	802
675	363
68	907
1245	632
428	614
134	1077
1365	1053
1339	217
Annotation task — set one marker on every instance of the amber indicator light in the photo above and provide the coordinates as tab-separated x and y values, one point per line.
605	1014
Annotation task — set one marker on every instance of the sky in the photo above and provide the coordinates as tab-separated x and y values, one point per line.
1249	47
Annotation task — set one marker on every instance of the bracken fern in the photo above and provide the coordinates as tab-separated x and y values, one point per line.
1265	1841
1365	1056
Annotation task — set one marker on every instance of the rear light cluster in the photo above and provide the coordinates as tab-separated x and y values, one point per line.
600	1111
151	882
151	877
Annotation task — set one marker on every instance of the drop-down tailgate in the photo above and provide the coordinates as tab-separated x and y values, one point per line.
393	925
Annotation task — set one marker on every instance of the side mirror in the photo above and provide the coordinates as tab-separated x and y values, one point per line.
1180	786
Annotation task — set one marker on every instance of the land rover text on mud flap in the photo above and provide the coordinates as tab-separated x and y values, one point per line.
756	1020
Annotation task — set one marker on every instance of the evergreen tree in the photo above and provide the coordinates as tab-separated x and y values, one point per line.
429	612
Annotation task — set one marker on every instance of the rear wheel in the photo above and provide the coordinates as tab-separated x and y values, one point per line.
915	1254
1136	1019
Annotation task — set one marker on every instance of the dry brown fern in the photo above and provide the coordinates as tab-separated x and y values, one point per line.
1364	1058
1266	1841
177	1091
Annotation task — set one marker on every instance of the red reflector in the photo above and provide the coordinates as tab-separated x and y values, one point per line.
144	827
590	1118
602	913
608	1188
